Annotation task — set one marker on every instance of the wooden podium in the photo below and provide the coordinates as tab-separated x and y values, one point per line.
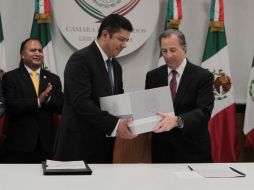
137	150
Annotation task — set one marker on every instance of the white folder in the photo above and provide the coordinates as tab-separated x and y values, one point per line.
142	106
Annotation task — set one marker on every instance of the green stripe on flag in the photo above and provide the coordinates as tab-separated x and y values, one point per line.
252	63
1	31
212	11
41	32
170	12
37	6
215	41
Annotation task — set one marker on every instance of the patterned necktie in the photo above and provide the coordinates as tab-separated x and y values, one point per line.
173	84
109	65
34	77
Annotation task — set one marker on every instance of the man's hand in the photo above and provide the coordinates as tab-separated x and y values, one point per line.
45	94
167	122
123	131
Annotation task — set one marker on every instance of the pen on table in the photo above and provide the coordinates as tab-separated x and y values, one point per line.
237	171
191	169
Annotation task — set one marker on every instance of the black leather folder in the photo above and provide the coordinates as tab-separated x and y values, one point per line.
82	171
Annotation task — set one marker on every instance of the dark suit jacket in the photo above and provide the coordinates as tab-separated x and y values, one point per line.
2	106
84	126
26	122
194	103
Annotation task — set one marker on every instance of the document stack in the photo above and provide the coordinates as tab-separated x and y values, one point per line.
142	106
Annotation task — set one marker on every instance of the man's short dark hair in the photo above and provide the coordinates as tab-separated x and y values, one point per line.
113	23
23	44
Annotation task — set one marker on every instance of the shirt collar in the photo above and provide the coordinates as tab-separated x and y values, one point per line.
104	55
30	70
179	69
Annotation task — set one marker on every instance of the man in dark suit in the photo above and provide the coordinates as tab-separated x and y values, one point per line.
182	137
86	132
31	102
2	106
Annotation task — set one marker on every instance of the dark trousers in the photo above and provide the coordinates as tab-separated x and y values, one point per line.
36	156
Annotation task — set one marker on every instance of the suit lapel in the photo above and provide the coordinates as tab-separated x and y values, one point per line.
44	80
27	81
184	83
116	76
164	76
101	66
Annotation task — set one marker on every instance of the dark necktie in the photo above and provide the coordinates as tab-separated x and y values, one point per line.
173	84
109	65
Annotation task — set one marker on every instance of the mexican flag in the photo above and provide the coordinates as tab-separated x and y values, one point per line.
222	126
2	49
41	31
173	18
248	128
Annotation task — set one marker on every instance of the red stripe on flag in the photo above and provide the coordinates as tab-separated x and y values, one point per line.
249	139
47	7
222	128
221	13
179	9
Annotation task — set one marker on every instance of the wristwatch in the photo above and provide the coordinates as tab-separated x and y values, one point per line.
180	122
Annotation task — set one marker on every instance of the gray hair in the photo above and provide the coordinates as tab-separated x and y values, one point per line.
168	33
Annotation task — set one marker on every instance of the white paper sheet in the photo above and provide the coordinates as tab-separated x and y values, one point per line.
217	172
51	164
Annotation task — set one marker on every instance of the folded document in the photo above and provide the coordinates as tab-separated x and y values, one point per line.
144	125
142	106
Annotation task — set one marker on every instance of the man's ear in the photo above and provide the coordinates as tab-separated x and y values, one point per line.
185	49
104	33
21	56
